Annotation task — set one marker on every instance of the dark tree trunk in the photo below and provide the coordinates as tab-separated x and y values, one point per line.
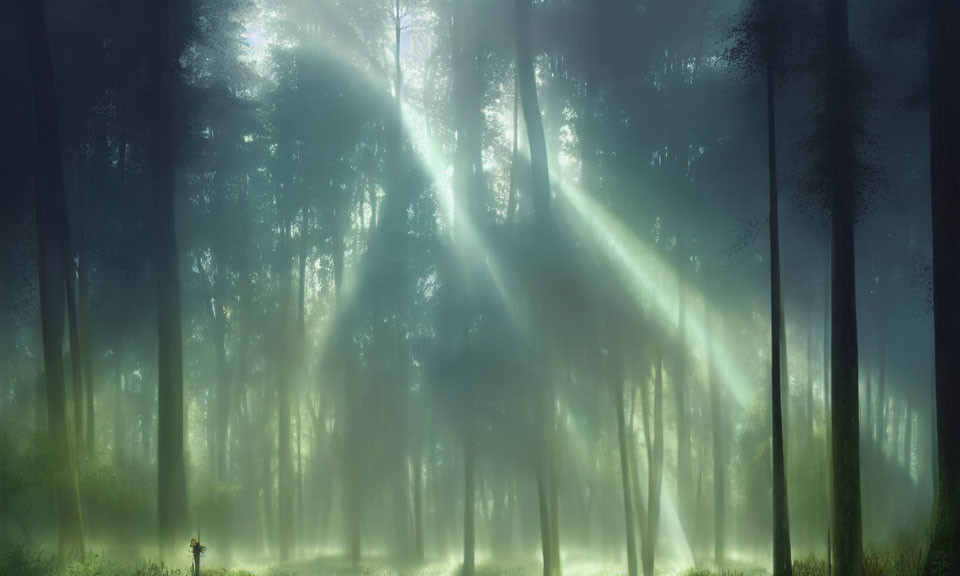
845	404
944	52
808	407
54	264
84	310
544	507
625	477
639	503
782	565
76	357
881	416
146	421
540	193
172	481
908	439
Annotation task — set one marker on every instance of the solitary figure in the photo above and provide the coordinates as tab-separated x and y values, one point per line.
197	549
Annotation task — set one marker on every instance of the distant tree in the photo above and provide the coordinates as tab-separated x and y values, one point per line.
651	532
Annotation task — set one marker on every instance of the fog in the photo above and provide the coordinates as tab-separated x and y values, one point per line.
457	287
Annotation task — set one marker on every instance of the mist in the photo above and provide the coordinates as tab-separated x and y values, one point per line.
479	287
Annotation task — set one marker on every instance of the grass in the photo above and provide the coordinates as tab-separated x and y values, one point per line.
895	559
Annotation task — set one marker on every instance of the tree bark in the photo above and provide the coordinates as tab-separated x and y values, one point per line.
54	265
172	482
944	52
845	404
782	565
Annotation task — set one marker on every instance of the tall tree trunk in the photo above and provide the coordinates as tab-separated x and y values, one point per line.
625	477
908	439
719	460
469	502
84	304
782	565
808	408
119	420
515	156
683	427
285	487
526	77
54	265
640	505
76	357
554	451
218	422
301	346
540	193
881	416
544	506
418	504
934	460
944	52
468	190
845	413
655	472
825	463
223	376
146	421
172	477
868	408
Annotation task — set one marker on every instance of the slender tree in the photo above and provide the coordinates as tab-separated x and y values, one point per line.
782	565
625	471
651	534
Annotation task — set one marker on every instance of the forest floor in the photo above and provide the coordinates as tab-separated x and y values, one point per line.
19	561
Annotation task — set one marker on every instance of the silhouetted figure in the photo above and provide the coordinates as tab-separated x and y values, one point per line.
197	549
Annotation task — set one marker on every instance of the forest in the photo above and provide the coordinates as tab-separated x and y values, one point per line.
479	287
